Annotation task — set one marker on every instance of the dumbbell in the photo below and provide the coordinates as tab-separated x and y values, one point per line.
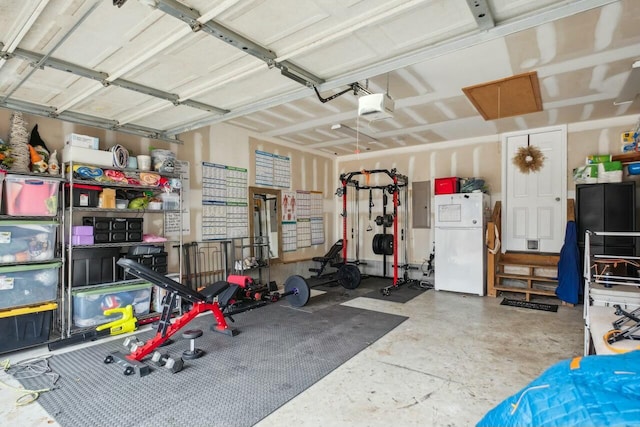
163	360
132	343
193	352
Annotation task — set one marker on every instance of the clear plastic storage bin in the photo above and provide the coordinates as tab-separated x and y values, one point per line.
27	241
31	196
89	305
28	284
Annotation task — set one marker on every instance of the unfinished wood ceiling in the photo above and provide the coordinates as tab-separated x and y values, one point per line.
160	68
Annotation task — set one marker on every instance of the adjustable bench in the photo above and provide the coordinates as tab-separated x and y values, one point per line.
332	258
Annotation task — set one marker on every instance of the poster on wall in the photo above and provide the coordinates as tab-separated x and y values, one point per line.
225	211
317	218
172	219
303	218
289	223
272	170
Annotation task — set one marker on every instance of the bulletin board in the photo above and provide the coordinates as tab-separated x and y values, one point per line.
302	219
225	211
289	222
272	170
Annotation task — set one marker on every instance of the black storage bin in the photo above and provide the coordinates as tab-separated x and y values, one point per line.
134	236
118	236
17	332
98	223
114	230
83	195
156	262
134	224
102	237
91	266
118	224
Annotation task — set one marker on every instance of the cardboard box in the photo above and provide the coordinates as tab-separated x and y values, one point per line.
82	141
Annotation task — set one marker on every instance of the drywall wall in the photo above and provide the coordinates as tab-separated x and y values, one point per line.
309	172
478	157
220	143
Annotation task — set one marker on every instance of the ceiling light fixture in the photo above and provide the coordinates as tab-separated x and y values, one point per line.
631	87
349	131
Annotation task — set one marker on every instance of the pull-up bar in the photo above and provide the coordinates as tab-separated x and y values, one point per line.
398	181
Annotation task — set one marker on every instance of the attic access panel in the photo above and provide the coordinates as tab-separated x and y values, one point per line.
512	96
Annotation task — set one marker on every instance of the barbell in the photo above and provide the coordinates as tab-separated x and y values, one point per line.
348	276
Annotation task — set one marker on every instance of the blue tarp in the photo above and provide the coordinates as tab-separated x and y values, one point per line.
569	275
596	391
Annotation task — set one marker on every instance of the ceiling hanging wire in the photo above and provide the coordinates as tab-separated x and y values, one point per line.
358	136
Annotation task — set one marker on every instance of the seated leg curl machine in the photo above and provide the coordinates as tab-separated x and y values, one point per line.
236	295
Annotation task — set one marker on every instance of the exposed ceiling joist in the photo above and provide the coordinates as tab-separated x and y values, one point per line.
501	30
191	17
64	38
20	31
103	78
481	13
85	119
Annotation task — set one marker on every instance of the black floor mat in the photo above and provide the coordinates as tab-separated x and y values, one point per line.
371	287
278	354
529	304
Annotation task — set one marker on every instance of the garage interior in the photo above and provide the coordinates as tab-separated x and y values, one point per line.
420	102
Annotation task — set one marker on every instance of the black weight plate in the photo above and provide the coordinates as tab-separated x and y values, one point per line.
375	245
300	298
348	276
386	244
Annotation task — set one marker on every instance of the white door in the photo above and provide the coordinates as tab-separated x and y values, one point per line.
534	208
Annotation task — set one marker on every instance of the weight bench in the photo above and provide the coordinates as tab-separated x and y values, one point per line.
332	258
201	302
236	295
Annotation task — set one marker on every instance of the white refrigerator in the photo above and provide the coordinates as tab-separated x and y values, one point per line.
460	252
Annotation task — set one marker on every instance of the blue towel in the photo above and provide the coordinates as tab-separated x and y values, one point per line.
569	277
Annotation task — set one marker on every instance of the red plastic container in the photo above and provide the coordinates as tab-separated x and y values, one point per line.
448	185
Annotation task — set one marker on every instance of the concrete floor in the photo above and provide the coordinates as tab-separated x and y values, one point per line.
454	359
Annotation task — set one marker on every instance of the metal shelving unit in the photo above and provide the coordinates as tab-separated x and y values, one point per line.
73	212
258	248
608	280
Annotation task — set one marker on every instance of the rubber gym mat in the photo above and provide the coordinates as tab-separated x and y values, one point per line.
370	287
277	355
529	304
